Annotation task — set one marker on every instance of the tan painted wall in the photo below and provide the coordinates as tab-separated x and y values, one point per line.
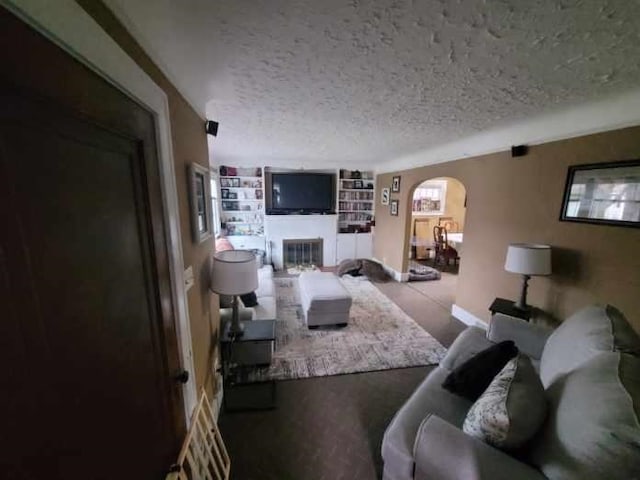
189	145
519	200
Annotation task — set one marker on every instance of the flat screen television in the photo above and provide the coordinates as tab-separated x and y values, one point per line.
302	193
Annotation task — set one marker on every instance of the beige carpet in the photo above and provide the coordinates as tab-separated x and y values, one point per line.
379	336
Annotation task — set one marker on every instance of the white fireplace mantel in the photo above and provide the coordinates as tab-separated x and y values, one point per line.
289	227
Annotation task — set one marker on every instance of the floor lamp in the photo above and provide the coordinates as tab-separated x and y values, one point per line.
234	272
527	259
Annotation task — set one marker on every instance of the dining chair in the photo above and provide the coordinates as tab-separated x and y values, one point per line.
443	251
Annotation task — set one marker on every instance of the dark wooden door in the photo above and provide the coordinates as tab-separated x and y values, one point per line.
87	334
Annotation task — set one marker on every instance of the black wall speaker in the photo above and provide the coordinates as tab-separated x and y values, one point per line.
211	127
519	150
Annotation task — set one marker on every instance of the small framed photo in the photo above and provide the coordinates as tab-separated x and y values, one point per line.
224	192
395	184
200	203
225	182
235	182
232	195
394	207
358	184
384	199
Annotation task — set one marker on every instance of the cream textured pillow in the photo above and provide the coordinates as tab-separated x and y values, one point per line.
511	409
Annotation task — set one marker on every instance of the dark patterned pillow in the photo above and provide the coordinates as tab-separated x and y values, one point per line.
249	299
511	409
472	377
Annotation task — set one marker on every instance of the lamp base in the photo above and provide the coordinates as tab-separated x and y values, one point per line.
521	304
236	330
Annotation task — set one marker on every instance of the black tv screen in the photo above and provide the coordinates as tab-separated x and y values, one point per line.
303	192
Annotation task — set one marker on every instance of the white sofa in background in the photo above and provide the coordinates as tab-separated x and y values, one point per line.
266	293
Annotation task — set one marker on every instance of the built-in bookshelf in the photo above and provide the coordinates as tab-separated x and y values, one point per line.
242	200
356	196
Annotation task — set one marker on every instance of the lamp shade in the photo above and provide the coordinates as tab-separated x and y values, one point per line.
528	259
234	272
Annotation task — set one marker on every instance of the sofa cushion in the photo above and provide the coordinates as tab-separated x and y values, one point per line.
593	429
266	309
584	335
471	341
472	377
511	409
428	398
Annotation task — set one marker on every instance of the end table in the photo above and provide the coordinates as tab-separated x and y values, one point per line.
507	307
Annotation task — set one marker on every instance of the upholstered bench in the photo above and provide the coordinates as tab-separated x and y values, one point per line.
325	301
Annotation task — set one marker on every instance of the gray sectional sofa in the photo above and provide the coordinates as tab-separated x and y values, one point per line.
590	370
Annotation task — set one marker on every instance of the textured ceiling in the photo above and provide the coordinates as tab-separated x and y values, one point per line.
320	82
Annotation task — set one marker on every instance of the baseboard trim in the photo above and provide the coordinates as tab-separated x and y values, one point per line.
467	317
397	276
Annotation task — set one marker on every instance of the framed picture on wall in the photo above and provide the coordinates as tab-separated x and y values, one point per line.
200	203
384	199
395	184
603	193
394	207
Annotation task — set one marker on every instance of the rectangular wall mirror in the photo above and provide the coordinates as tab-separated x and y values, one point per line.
604	193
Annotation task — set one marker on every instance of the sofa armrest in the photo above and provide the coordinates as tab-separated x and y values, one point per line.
443	452
529	338
244	314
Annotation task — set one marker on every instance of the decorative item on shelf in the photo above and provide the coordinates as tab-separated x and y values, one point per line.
233	195
527	259
356	174
384	199
224	193
603	193
234	272
235	182
200	203
358	184
395	184
394	207
223	171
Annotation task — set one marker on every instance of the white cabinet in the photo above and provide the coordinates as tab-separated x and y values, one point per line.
354	245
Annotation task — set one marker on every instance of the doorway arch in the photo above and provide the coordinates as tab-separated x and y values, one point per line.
435	201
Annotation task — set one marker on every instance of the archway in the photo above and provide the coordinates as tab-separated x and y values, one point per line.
441	202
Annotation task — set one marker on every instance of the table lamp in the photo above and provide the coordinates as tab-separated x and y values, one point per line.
234	272
527	259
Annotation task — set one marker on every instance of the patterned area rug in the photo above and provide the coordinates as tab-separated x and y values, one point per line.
380	336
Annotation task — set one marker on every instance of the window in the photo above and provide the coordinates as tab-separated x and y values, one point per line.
215	203
429	198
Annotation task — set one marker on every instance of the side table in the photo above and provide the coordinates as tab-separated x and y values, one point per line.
507	307
240	357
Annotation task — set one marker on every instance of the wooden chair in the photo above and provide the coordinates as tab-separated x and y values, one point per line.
443	250
203	455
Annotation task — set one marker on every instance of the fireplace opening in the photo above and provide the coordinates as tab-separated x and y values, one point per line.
302	252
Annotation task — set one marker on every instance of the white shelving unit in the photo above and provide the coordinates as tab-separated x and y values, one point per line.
242	201
356	198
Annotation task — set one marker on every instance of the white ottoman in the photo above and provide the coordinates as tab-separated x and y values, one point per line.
325	301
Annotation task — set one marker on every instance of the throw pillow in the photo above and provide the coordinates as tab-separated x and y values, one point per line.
593	429
511	409
223	244
249	299
349	267
472	378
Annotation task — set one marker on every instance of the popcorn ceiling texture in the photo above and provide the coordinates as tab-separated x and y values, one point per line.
334	82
